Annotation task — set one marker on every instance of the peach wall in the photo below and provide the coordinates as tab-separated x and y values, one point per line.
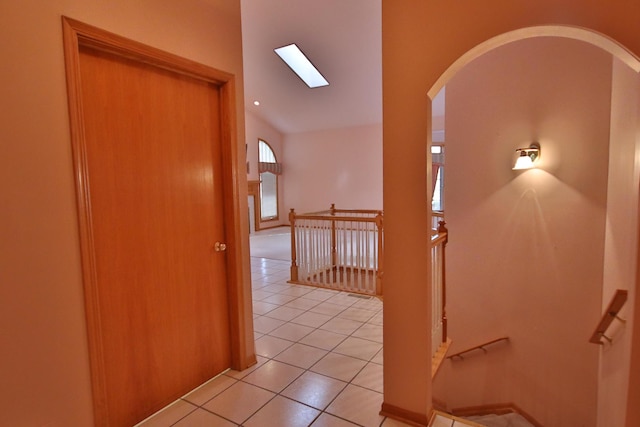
44	358
633	397
620	241
341	166
420	40
256	128
525	258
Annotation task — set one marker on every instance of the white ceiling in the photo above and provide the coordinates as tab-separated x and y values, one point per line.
343	40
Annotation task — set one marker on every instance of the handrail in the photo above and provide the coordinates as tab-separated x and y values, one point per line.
332	211
336	218
478	347
610	313
439	237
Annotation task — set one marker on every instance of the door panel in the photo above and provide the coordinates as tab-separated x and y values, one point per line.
153	156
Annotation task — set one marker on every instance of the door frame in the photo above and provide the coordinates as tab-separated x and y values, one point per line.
76	35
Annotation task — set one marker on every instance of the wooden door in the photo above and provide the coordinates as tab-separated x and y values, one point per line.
155	194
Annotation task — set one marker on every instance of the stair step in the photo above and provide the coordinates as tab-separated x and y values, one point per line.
504	420
441	419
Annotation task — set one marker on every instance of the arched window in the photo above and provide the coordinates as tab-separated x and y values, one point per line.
269	170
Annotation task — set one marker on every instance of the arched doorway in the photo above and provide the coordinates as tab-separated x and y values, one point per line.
608	368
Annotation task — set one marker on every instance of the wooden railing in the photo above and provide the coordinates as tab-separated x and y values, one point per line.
438	287
436	217
482	347
338	249
609	315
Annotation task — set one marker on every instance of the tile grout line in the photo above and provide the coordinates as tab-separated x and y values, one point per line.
375	312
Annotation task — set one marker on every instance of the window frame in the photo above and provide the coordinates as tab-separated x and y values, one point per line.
275	217
441	173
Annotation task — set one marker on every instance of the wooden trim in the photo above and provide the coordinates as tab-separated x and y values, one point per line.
330	268
367	211
495	408
447	415
271	227
76	35
439	405
72	43
337	218
380	273
89	36
240	359
445	321
611	313
438	238
407	417
333	211
293	269
438	358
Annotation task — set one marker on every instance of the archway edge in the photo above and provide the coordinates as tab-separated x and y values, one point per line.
577	33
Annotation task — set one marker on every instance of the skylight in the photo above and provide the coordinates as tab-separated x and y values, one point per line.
300	64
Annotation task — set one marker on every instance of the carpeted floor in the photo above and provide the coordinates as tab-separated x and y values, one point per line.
272	243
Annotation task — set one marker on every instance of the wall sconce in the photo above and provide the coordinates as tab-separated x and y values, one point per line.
527	157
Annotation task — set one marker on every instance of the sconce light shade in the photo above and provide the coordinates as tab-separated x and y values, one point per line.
527	157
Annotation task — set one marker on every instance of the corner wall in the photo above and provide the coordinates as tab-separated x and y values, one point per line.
44	362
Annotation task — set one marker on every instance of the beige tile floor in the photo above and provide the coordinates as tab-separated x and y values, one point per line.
319	363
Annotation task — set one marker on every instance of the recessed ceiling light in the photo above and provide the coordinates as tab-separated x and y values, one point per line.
256	103
301	65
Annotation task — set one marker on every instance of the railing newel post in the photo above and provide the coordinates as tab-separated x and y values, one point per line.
294	263
380	272
443	229
334	248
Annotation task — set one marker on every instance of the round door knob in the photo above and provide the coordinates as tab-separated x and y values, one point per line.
220	247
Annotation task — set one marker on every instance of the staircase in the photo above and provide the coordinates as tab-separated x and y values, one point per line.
504	420
441	419
512	419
